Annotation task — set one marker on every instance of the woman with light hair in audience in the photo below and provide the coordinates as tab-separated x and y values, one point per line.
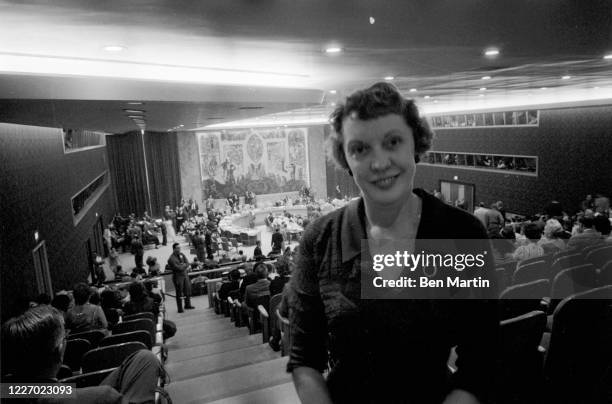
388	349
550	241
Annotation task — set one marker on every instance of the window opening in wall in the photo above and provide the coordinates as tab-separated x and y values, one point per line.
486	119
499	163
78	140
82	201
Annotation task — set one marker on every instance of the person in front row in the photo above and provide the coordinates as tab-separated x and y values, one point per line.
33	350
385	350
179	266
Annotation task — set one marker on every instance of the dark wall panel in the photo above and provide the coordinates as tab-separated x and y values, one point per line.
38	182
161	151
573	145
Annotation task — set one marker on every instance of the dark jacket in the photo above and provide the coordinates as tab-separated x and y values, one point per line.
255	290
369	340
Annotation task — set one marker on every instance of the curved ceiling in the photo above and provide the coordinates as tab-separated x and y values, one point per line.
195	60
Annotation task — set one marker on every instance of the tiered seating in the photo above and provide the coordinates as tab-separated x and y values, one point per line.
98	355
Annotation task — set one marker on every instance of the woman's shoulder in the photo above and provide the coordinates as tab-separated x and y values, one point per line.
455	222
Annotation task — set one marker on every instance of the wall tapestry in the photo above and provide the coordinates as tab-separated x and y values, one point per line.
263	161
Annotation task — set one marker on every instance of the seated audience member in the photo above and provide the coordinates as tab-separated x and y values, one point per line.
550	241
241	256
154	268
503	246
277	284
586	235
139	302
61	301
260	288
34	345
84	316
211	263
224	259
94	296
531	249
249	279
231	284
603	226
110	300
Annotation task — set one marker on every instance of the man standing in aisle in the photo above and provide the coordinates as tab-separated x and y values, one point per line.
179	265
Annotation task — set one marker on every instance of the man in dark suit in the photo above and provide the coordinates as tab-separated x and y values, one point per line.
232	284
277	241
258	289
179	265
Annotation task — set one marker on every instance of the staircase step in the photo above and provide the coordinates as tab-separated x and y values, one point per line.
203	338
182	354
220	362
230	383
279	394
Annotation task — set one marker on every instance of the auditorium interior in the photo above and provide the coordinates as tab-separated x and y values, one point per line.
138	137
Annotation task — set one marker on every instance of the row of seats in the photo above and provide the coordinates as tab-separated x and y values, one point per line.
266	319
91	356
570	364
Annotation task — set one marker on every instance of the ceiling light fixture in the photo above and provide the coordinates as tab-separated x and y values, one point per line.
483	89
413	90
389	78
134	111
332	91
566	77
427	97
609	56
491	52
486	77
136	116
135	103
372	20
333	49
543	88
114	48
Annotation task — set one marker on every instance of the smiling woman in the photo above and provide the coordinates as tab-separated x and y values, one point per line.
378	138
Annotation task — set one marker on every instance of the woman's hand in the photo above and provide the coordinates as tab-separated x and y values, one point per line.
460	397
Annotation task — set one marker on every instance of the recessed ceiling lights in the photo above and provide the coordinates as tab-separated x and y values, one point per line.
543	88
135	116
333	49
566	77
389	78
483	89
135	103
435	101
427	97
134	111
486	77
332	91
491	52
114	48
372	20
609	56
413	90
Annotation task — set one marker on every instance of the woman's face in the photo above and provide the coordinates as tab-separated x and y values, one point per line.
380	153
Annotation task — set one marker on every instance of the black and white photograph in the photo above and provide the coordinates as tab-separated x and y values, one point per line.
278	202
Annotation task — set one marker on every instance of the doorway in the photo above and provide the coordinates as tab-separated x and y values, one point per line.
458	194
41	269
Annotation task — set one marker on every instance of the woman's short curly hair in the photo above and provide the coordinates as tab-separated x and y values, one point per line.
373	102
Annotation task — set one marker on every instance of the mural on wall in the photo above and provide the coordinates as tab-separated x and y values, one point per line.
263	161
